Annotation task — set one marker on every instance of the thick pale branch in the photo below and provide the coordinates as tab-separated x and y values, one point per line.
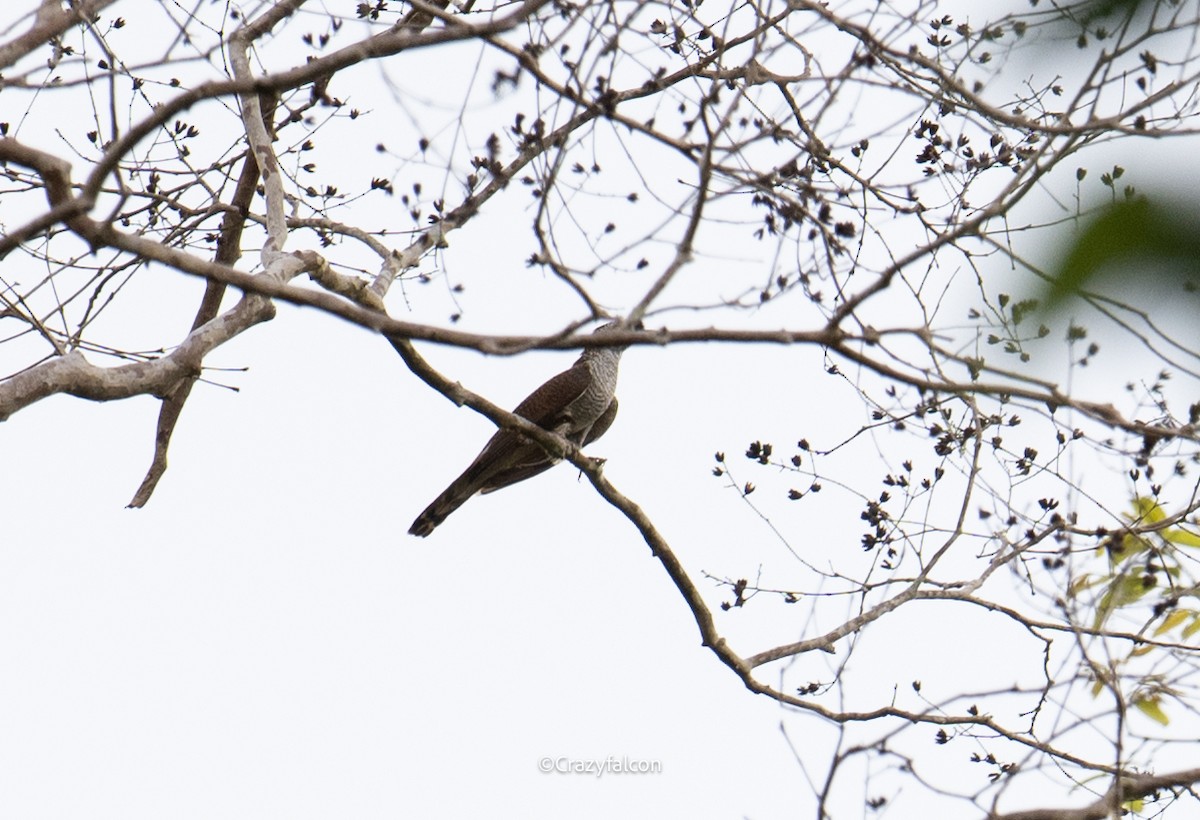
74	375
256	125
50	22
227	253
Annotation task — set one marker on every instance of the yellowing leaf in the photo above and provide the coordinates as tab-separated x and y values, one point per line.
1182	537
1129	546
1152	708
1192	628
1100	676
1173	620
1124	590
1148	511
1080	584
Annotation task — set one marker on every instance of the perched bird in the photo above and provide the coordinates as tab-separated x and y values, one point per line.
579	404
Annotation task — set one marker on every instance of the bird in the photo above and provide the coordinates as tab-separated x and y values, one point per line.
578	404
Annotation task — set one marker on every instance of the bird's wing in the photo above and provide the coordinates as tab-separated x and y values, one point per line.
532	459
601	425
519	472
546	407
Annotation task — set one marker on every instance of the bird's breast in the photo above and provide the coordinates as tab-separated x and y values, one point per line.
594	400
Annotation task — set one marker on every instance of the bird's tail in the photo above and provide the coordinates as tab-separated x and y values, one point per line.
446	503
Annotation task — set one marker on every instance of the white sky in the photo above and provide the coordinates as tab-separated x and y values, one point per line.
263	639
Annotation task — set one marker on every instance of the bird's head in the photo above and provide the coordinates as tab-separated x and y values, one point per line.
620	324
608	327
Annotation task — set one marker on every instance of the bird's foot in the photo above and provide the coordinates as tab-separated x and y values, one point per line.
597	464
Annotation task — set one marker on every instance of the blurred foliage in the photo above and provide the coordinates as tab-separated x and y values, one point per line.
1135	561
1139	243
1147	565
1130	245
